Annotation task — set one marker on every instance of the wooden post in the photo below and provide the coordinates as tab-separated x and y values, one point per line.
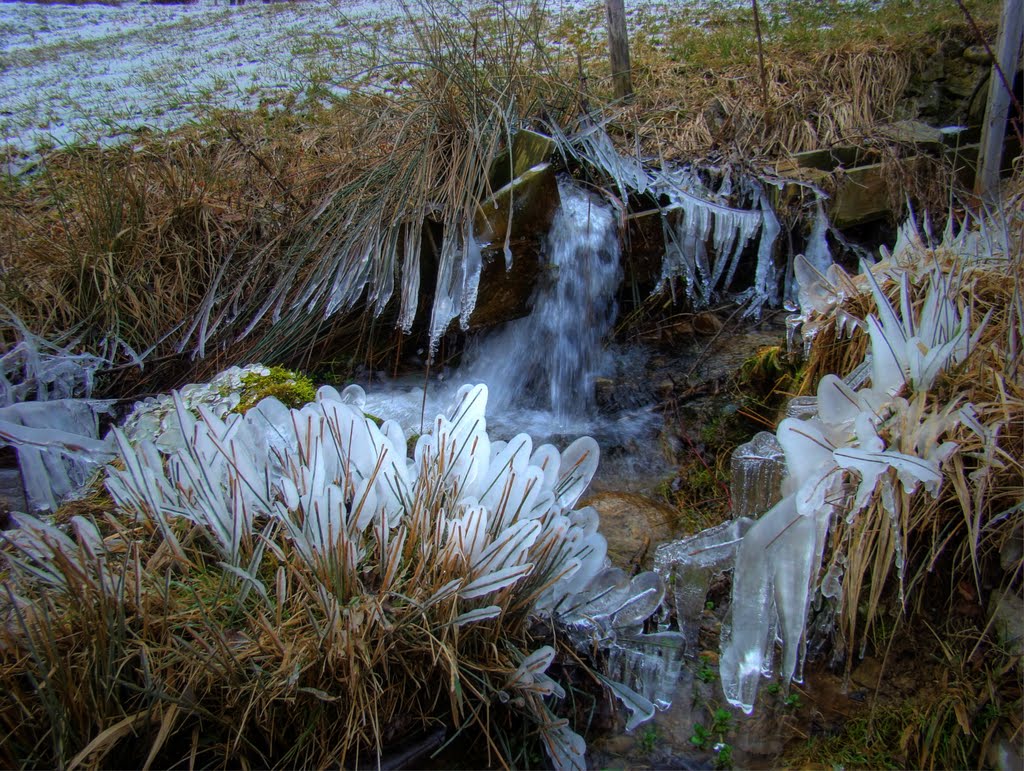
1007	55
618	48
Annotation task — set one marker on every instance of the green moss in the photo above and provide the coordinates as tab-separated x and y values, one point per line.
290	388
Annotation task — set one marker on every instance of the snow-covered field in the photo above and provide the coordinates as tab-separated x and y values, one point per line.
72	73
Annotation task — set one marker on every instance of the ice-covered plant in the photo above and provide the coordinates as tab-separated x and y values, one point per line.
867	447
348	572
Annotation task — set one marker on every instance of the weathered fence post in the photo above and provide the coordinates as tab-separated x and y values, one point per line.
1007	56
618	48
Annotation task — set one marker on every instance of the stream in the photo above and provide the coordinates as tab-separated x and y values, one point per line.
552	375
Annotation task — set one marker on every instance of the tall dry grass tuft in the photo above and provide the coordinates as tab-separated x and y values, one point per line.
831	97
120	245
423	161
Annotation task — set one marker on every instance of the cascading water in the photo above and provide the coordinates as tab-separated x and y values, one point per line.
548	360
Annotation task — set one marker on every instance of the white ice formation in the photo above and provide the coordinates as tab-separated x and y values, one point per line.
705	232
340	487
58	448
47	414
779	558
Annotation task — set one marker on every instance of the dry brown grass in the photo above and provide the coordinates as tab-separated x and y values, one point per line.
832	97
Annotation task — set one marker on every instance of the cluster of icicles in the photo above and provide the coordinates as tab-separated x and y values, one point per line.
779	558
336	483
705	238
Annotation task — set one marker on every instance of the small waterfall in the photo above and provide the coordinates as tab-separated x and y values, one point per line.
548	360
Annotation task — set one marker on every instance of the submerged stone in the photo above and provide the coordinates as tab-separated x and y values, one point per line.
634	525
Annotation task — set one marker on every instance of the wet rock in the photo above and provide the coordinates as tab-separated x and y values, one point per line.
868	674
707	324
646	239
529	149
12	492
727	355
634	525
530	201
758	737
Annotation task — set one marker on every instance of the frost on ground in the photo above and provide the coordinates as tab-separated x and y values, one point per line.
96	72
73	73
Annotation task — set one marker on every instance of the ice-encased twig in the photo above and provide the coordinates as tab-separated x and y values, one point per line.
757	468
687	567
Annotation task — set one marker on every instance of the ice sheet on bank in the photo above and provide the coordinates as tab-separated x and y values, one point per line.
57	446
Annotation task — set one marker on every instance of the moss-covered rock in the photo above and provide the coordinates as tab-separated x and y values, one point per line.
290	388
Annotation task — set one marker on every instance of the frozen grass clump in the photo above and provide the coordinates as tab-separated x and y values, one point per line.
289	588
938	332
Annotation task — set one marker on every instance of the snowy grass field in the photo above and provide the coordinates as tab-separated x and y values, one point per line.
82	73
74	73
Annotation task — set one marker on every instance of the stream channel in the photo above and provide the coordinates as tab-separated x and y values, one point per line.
554	375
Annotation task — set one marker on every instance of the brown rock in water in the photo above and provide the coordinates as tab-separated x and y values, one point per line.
634	525
707	324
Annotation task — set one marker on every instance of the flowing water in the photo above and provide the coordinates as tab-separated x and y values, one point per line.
540	370
549	359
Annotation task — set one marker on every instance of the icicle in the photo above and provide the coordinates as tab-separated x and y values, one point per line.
687	566
387	263
410	274
764	287
471	267
817	252
350	278
458	279
448	293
